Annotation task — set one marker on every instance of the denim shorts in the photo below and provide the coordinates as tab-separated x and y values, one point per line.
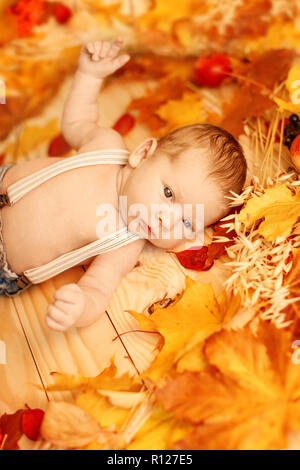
11	283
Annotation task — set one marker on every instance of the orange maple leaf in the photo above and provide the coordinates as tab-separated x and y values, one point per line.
249	396
249	100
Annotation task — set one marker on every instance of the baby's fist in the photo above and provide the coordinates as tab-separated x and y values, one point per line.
101	58
66	309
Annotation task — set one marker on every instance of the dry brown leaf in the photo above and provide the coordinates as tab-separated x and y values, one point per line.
67	426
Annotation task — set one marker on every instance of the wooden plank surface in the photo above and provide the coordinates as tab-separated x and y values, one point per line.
18	370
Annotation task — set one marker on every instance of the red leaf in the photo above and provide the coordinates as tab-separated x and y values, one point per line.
31	423
202	259
124	124
194	258
58	147
10	425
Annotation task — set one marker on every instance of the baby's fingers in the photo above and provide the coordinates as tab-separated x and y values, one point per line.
90	47
120	61
55	320
54	325
115	48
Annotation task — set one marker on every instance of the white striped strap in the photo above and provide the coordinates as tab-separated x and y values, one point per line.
113	241
98	157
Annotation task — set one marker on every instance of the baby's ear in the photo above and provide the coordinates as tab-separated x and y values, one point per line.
144	150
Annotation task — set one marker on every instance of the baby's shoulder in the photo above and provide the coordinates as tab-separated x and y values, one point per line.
103	139
26	168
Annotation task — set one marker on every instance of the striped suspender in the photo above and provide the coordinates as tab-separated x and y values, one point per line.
99	157
66	261
113	241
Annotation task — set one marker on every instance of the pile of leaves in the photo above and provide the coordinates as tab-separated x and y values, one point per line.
226	372
209	387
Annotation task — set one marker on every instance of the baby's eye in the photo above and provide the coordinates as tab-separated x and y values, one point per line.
167	192
187	224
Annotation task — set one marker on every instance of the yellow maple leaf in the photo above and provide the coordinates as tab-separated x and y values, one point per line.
106	380
187	110
32	136
194	316
101	409
280	209
293	86
160	431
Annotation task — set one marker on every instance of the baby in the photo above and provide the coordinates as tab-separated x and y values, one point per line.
193	166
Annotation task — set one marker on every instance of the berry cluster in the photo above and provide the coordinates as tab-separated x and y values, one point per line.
291	130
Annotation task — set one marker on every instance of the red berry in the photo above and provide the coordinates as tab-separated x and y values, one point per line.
62	13
31	422
211	70
58	147
295	147
124	124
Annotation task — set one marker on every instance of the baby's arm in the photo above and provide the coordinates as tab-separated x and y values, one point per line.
80	116
83	303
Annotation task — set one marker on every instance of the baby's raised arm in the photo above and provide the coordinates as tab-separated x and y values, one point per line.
83	303
80	115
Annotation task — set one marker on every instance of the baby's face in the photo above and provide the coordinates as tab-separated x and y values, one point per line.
169	201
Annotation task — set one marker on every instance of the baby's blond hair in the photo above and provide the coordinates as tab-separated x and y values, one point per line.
227	165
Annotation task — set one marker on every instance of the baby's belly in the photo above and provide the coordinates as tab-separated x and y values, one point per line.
57	217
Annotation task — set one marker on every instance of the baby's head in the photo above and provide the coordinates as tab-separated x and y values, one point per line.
178	184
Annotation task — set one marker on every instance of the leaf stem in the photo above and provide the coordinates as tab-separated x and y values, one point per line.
136	331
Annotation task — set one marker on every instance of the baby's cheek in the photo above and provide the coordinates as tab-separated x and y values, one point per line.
165	244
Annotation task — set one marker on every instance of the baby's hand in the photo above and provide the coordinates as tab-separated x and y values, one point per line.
101	58
67	308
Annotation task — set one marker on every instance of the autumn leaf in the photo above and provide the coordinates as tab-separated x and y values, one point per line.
11	431
101	409
124	124
194	316
293	86
163	13
30	88
33	136
182	112
106	380
248	99
202	258
251	20
292	281
68	426
278	206
58	146
160	431
246	399
148	105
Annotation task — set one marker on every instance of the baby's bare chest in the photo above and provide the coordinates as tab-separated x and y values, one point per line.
60	215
